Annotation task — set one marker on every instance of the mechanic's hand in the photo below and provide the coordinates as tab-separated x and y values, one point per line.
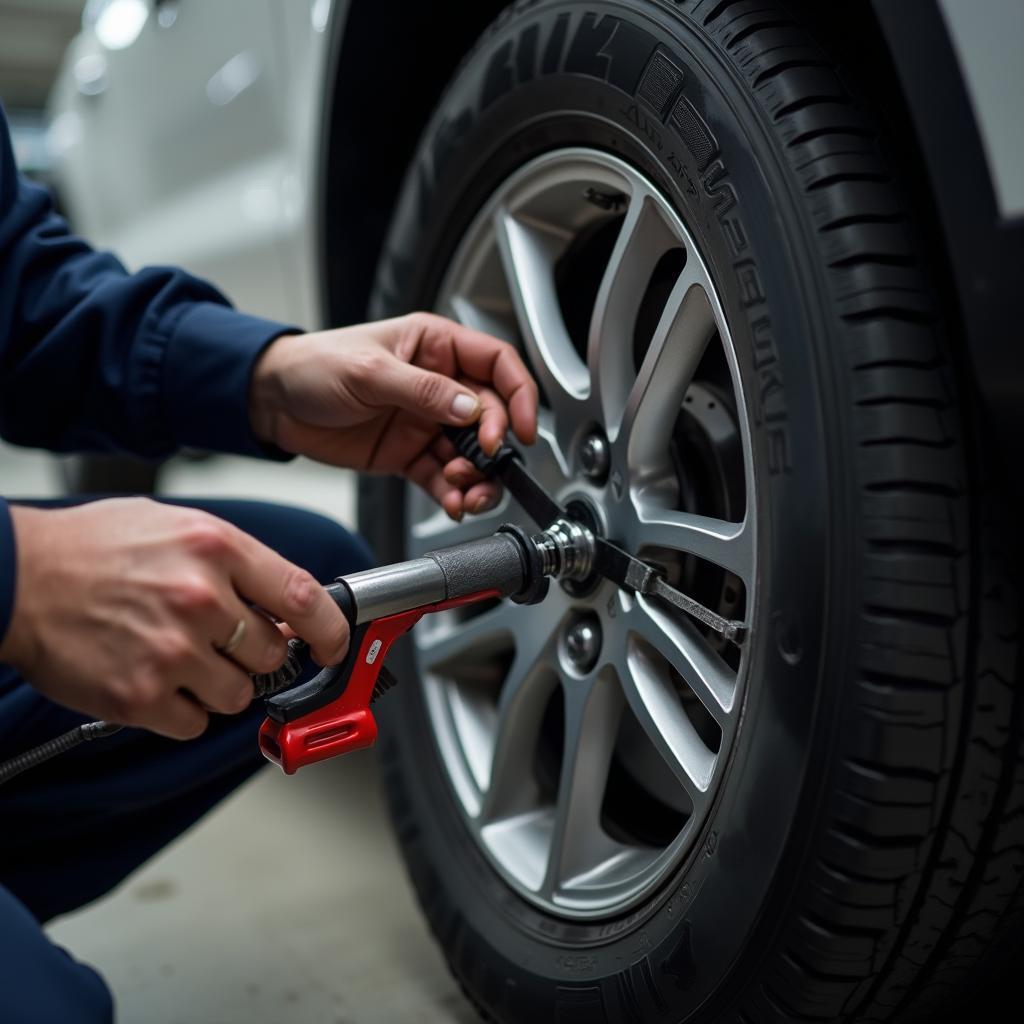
371	397
122	605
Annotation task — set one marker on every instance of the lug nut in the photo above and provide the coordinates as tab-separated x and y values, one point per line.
583	643
566	549
594	457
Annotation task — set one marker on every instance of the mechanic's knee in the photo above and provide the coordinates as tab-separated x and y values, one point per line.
78	996
319	544
357	552
89	1001
331	550
42	983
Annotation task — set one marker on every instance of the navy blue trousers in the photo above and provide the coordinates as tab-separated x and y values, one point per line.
73	828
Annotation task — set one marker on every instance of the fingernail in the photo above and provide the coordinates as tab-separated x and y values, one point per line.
494	447
464	405
483	505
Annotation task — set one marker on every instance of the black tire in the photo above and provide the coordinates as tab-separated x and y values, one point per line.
867	849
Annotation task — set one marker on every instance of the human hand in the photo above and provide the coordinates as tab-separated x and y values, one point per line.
372	397
123	608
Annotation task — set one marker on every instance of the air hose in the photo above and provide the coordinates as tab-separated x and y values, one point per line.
264	684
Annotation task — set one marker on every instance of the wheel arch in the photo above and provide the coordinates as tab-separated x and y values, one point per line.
384	78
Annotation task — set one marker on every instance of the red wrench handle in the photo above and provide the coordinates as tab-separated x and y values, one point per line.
347	724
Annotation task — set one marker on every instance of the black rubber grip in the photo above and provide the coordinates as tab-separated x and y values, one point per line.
507	466
467	444
491	563
339	593
330	683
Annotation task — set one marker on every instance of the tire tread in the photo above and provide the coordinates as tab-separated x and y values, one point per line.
927	813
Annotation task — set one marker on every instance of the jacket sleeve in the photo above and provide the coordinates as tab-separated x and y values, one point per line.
8	568
94	358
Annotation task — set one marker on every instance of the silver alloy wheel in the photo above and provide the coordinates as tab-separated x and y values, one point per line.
556	722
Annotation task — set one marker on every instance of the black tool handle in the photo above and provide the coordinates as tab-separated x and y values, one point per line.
330	682
500	562
507	465
467	444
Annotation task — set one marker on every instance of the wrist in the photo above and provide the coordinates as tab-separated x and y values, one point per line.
267	392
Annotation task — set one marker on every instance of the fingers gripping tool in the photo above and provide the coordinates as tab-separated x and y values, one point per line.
330	714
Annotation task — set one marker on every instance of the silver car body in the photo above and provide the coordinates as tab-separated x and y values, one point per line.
195	142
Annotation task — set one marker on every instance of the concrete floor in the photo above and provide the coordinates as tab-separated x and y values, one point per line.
289	902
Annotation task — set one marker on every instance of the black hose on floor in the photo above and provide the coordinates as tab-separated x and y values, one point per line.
59	745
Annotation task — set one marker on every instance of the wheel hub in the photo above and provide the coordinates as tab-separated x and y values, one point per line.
585	737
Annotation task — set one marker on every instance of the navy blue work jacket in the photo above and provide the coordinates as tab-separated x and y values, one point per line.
93	358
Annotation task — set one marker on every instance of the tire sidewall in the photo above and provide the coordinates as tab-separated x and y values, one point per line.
502	110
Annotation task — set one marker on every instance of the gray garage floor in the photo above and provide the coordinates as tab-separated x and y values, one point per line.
288	903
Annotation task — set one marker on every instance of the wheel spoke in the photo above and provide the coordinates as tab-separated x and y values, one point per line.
473	314
726	544
657	707
443	638
676	638
438	531
683	332
578	843
544	457
510	786
461	662
528	254
642	240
